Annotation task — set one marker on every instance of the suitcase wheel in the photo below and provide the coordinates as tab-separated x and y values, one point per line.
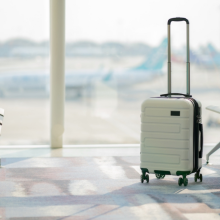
185	182
198	176
146	177
142	178
180	181
159	176
195	177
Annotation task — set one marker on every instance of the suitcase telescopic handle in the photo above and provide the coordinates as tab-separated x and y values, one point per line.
187	54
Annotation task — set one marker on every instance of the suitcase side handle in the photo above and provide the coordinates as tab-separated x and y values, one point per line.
187	55
169	94
177	19
201	140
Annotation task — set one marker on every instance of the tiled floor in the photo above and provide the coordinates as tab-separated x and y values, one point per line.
70	184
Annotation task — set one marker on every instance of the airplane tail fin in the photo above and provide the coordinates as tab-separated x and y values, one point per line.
156	58
215	55
212	50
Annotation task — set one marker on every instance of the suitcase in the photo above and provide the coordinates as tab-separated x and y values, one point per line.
171	130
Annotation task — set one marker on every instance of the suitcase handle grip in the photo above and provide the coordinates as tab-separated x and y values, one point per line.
201	141
177	19
169	94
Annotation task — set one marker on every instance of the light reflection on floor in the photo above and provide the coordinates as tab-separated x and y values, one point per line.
99	183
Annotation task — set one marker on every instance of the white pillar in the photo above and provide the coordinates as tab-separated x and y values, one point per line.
57	72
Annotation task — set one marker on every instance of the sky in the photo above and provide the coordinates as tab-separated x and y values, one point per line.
125	21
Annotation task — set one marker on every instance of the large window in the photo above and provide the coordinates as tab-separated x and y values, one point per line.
24	71
116	58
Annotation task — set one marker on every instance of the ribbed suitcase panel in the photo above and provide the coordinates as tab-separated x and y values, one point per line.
167	120
184	134
160	158
163	103
159	127
164	112
167	140
166	151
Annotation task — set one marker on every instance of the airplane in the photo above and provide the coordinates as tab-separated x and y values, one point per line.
36	83
202	58
207	57
214	55
150	68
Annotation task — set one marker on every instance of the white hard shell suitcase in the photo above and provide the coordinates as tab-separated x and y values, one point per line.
171	130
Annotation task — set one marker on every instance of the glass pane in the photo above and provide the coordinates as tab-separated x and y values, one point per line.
116	58
24	71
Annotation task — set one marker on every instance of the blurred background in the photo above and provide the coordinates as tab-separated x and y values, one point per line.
116	57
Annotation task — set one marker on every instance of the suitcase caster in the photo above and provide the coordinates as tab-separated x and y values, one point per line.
198	176
195	177
180	181
142	178
146	177
183	181
159	176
